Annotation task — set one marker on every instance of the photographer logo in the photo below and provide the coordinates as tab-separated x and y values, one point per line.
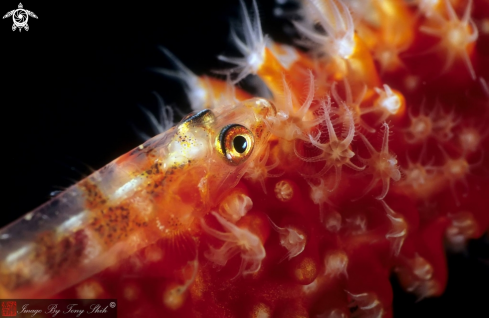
20	17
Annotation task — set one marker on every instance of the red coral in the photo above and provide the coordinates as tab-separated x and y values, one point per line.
319	242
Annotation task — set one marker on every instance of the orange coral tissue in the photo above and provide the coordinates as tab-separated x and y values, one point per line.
367	158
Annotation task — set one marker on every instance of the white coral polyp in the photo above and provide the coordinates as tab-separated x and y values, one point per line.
237	241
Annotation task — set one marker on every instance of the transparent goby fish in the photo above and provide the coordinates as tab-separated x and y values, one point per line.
349	189
153	191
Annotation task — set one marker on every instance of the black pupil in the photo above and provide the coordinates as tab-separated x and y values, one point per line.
240	144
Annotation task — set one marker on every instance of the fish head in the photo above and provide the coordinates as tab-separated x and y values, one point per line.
210	150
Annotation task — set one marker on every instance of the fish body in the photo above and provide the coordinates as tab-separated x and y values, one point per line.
162	185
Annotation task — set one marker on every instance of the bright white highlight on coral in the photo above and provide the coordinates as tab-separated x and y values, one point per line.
398	232
428	7
388	103
463	228
388	100
312	287
336	264
336	20
368	303
284	191
421	268
237	241
417	277
253	46
235	206
292	239
319	195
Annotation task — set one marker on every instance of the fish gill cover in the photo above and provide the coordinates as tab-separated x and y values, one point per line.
366	159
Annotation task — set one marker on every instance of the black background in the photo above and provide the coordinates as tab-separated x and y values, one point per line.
70	90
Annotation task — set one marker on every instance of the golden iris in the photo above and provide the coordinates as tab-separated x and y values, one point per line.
235	143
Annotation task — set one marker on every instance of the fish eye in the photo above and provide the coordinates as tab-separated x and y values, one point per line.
235	143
